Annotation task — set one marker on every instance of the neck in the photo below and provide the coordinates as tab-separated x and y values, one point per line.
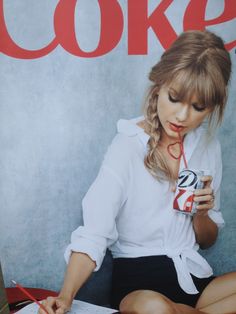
165	140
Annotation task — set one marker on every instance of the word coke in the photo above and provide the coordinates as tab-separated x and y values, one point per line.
112	22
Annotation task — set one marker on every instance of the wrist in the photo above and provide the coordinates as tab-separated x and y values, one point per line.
67	296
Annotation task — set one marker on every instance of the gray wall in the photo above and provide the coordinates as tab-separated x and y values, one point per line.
57	116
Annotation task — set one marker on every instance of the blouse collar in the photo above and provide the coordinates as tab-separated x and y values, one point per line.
130	128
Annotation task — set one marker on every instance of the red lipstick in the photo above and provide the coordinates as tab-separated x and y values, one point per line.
175	127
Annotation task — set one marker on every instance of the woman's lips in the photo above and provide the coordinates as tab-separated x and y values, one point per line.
175	127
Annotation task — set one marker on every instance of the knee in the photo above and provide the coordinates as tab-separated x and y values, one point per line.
146	302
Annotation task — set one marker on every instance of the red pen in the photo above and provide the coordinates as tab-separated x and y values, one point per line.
29	295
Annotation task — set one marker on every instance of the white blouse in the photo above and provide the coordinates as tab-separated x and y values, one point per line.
131	213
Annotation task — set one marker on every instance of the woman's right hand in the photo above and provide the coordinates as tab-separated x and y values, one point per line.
56	305
73	281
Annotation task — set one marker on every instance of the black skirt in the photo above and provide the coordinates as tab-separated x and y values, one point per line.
155	273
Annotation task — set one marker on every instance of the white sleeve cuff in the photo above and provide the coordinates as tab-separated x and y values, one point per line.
217	217
84	241
84	246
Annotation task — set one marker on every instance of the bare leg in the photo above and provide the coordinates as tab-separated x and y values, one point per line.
226	305
151	302
220	295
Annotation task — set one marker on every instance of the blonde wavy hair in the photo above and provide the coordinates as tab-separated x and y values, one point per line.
198	63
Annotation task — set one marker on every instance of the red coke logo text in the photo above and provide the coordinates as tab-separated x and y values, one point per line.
112	25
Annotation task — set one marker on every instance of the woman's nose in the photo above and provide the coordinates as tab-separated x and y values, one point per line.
182	113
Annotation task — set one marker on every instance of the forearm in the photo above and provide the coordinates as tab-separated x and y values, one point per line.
205	229
79	269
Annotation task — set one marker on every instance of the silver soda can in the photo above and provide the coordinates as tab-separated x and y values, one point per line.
188	182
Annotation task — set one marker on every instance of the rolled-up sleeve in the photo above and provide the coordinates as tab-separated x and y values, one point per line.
215	213
100	208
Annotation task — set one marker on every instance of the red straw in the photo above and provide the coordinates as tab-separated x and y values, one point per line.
30	296
181	151
169	151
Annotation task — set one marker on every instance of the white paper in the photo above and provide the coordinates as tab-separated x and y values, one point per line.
78	307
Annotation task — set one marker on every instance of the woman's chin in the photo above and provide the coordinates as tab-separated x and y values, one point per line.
170	135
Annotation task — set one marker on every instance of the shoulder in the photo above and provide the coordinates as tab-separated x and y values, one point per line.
204	140
130	138
211	151
129	143
203	149
211	143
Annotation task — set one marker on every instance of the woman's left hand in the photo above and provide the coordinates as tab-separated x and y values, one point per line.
205	197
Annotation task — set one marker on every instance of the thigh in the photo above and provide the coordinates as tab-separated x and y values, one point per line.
219	288
146	302
223	306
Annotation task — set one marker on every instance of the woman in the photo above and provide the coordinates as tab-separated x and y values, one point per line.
129	207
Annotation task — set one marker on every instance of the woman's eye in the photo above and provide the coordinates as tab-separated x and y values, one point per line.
172	99
197	108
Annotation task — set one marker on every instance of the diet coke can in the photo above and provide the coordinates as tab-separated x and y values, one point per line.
188	182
